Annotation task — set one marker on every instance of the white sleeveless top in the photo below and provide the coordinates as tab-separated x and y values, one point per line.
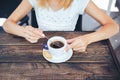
61	20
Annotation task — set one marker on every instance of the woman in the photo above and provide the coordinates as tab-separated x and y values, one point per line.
59	15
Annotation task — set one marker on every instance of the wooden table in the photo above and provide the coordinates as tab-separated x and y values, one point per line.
21	60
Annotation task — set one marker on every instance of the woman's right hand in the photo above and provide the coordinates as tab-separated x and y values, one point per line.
33	34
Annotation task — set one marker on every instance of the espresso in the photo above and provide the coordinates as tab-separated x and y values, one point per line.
57	44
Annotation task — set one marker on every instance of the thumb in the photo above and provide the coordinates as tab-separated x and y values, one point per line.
67	48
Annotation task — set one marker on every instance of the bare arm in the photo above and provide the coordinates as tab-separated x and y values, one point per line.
29	33
108	29
11	25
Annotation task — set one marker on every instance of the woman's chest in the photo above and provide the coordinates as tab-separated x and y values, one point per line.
56	16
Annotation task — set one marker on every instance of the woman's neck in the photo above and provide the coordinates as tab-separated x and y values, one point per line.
55	4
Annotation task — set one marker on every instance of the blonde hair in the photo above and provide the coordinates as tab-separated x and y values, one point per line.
63	3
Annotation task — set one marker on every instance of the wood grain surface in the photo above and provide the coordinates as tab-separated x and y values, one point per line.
21	60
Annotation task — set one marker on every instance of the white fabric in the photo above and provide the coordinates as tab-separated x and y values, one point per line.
2	20
61	20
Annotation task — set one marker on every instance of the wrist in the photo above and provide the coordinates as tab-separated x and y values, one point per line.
87	39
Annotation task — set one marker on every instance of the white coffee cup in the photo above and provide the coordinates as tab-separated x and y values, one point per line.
56	51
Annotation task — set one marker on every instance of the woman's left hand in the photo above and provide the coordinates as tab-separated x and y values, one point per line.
78	44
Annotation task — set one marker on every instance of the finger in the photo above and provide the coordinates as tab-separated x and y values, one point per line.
35	32
67	48
31	32
80	49
74	45
39	33
30	35
83	50
31	41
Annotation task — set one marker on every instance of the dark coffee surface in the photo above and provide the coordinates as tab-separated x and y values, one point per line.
56	44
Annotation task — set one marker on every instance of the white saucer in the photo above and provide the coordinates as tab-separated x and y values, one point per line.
60	59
